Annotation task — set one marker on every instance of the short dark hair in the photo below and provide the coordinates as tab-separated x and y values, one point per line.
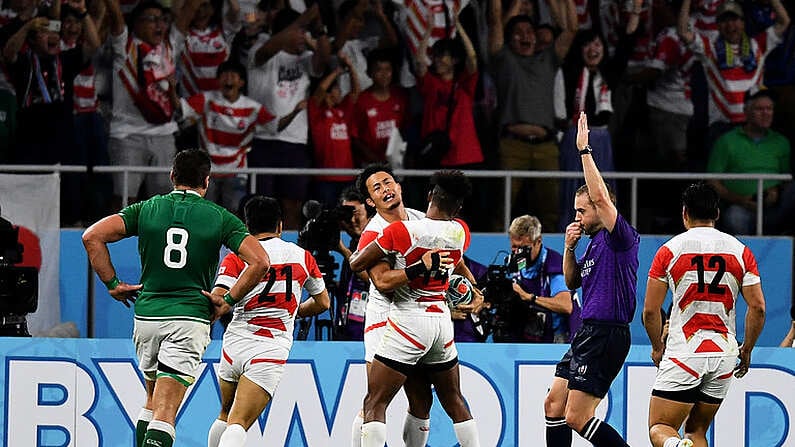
139	9
361	179
701	201
346	8
351	194
377	55
283	19
449	188
231	65
191	168
516	20
262	214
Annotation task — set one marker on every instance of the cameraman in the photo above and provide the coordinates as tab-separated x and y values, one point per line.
539	282
353	287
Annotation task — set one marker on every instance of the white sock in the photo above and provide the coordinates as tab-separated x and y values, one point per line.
145	415
356	431
374	434
415	431
671	442
234	436
467	433
216	430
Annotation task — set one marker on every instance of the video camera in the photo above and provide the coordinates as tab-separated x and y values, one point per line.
321	235
322	231
18	285
506	305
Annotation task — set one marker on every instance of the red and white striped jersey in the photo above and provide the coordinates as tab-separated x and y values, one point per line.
269	309
226	128
727	86
374	229
705	270
85	93
671	91
204	51
416	20
407	241
705	14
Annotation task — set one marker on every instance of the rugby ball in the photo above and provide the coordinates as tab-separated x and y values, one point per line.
459	291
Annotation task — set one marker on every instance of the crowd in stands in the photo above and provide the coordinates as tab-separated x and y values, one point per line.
668	86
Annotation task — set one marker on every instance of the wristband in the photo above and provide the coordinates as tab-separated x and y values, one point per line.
571	249
229	299
533	297
415	270
112	283
586	150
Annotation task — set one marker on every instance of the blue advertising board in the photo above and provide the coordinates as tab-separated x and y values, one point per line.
88	392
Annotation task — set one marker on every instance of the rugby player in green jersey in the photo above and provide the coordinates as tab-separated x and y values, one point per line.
179	238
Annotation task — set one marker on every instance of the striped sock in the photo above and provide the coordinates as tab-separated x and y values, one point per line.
601	434
558	433
160	434
144	417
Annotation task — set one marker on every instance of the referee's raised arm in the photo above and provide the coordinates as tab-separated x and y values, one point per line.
597	189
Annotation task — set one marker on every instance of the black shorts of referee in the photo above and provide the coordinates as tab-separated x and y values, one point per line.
596	356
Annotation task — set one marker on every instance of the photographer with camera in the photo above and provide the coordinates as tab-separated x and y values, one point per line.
20	262
546	308
353	287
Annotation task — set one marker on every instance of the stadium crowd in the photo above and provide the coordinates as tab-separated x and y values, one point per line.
467	84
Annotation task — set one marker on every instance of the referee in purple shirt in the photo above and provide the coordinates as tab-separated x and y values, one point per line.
607	273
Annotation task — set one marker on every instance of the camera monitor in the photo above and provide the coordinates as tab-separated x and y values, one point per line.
10	252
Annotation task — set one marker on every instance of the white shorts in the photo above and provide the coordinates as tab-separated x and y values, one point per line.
710	375
261	362
374	327
413	339
176	344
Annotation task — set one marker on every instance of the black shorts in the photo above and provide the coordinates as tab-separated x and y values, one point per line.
595	358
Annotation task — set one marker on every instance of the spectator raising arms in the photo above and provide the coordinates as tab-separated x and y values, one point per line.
144	99
228	120
279	79
585	83
733	60
380	110
447	85
207	45
526	113
329	122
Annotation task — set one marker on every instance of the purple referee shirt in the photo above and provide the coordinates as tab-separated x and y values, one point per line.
609	271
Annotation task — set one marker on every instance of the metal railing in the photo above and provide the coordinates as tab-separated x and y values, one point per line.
506	176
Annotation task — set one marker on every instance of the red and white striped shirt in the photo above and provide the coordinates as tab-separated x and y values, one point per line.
204	51
371	232
226	128
705	13
706	270
85	92
671	91
408	241
416	20
269	309
727	86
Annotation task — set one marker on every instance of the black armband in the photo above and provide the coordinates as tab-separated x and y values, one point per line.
415	270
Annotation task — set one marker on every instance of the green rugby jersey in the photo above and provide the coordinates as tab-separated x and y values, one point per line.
179	238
